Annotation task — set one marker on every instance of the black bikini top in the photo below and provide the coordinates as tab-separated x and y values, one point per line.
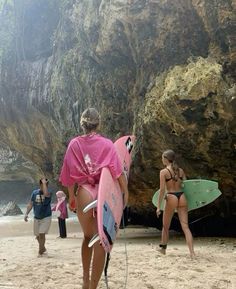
172	178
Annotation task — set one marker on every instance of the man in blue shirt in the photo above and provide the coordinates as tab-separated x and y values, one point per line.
41	203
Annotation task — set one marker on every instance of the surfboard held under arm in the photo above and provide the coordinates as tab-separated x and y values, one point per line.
198	193
110	204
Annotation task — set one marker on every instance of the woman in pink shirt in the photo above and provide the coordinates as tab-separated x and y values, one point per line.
85	157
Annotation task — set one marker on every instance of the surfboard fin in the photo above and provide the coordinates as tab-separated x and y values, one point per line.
90	206
94	239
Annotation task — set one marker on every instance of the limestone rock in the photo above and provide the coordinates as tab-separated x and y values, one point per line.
11	209
192	108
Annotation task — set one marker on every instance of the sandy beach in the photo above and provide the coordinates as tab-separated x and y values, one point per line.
134	257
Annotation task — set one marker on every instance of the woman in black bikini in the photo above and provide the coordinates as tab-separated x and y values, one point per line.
171	178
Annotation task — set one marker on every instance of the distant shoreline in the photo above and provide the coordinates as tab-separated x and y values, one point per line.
15	226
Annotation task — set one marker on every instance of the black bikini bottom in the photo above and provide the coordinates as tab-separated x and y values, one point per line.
177	194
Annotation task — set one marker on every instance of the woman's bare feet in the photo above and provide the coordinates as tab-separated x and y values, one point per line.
162	251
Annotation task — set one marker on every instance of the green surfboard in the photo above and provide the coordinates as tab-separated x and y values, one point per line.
198	193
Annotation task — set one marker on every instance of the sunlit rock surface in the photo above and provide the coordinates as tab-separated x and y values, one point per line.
164	70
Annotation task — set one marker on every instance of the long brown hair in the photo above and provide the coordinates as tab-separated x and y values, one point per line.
170	156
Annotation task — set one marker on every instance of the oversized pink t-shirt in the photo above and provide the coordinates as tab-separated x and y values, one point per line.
85	157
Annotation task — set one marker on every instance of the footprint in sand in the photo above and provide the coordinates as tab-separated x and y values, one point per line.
149	286
198	270
221	284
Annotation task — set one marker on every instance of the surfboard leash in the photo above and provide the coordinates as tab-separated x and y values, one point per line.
199	219
126	254
194	221
108	257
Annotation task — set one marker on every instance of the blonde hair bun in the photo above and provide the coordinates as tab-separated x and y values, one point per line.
90	119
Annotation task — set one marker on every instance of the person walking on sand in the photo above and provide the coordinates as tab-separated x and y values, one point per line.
41	203
171	178
85	157
62	213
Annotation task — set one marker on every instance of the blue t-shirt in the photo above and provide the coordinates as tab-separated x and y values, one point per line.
41	204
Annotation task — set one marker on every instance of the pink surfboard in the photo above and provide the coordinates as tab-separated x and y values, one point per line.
110	198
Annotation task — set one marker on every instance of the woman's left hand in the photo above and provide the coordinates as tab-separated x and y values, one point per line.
72	204
158	212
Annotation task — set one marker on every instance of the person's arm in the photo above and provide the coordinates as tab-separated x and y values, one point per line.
124	188
45	187
28	209
53	208
162	192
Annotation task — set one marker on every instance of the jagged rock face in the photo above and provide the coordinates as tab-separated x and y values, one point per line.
29	138
11	209
164	70
27	146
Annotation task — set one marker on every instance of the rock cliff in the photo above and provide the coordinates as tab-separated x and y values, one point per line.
162	69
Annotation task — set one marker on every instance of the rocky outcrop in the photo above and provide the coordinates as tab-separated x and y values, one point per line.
192	108
164	70
11	209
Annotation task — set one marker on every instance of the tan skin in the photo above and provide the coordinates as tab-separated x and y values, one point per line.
89	227
41	237
172	204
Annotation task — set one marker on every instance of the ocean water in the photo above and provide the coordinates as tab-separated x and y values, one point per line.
8	219
15	226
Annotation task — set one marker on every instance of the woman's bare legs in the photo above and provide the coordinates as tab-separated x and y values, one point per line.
89	227
183	218
98	265
86	222
171	204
